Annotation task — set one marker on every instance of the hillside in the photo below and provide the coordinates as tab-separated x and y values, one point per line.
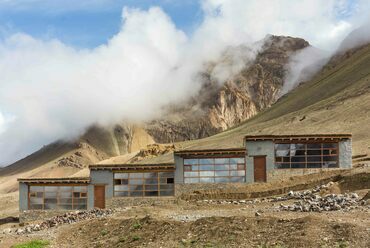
221	105
336	100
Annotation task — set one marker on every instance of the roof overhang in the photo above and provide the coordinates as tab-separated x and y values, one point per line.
133	167
66	180
304	137
211	152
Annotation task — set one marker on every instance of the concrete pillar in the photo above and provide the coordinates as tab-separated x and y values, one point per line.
23	196
345	154
179	169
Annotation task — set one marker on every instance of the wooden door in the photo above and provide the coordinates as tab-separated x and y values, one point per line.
259	168
99	196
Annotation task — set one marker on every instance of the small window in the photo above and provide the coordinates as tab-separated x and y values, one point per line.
170	180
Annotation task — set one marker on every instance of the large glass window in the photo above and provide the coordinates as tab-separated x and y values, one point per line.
306	155
214	170
58	197
144	184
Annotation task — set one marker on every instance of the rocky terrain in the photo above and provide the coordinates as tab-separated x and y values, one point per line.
218	107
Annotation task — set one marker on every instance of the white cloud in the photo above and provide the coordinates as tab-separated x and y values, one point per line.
56	91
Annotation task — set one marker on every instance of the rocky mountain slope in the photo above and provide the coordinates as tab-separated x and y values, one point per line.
218	107
336	100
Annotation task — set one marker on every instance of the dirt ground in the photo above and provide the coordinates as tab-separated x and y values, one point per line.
194	222
201	224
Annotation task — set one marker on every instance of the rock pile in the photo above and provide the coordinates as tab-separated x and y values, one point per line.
331	202
66	218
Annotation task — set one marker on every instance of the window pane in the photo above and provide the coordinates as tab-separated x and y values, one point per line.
121	187
298	165
190	161
191	180
314	146
206	173
80	188
222	179
222	160
314	159
65	194
206	167
151	187
151	181
237	161
237	173
151	193
314	165
313	152
37	188
150	175
136	175
237	179
206	179
120	175
282	165
206	161
330	145
120	193
221	173
136	193
222	167
191	174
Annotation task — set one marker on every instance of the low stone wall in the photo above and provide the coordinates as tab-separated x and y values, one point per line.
183	189
117	202
279	174
35	215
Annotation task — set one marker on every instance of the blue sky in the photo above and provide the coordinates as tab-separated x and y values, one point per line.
86	24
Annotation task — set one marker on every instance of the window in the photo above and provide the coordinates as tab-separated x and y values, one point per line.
57	197
144	184
214	170
306	155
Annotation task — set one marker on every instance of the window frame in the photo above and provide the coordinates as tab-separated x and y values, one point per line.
144	189
312	157
58	198
214	177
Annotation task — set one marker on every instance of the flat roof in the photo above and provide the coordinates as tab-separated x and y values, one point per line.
208	152
59	180
159	166
298	137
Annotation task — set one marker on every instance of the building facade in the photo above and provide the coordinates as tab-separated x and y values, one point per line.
262	159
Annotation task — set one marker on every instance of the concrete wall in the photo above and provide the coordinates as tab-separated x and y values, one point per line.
100	177
259	148
23	197
345	154
179	171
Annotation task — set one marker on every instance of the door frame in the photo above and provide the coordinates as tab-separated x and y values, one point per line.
254	169
100	185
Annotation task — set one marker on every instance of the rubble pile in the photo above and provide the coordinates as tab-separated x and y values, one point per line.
331	202
67	218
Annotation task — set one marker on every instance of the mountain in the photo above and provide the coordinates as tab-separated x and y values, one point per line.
218	107
336	100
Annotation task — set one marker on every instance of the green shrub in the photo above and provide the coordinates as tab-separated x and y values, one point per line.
33	244
135	238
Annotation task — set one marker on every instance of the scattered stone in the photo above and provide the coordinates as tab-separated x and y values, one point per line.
67	218
331	202
257	214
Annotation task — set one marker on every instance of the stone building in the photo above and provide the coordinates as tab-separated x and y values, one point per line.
263	158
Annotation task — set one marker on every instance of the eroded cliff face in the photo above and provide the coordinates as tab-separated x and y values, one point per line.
219	106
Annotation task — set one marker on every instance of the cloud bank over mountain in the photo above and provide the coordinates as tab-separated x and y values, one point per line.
50	91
